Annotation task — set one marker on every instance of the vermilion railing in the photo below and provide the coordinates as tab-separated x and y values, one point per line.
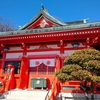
47	96
55	89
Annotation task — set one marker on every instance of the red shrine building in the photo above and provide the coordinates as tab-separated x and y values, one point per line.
37	49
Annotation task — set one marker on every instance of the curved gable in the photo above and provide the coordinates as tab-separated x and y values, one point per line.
41	20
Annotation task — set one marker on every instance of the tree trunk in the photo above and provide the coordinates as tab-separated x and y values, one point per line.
92	96
92	90
85	89
86	96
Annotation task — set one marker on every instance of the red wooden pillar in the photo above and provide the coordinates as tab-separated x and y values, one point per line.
57	65
23	79
2	62
61	51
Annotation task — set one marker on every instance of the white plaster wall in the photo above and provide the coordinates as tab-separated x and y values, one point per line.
43	53
81	45
33	47
70	45
13	55
52	46
49	46
15	48
68	52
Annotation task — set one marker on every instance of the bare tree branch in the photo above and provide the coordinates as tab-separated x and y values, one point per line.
6	25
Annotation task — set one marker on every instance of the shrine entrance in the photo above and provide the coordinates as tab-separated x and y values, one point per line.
42	68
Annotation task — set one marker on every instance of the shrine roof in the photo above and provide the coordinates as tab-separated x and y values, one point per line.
52	29
43	12
56	25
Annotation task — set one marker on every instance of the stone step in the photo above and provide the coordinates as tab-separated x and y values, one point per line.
26	95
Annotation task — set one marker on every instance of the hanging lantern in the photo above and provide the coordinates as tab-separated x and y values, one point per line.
75	45
5	49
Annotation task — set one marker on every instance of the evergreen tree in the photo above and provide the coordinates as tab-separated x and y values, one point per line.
82	65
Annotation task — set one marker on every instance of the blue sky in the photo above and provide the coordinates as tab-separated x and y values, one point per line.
21	11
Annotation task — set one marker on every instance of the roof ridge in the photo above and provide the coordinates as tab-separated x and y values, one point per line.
45	13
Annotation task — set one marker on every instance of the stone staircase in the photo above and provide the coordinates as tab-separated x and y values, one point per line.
25	95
